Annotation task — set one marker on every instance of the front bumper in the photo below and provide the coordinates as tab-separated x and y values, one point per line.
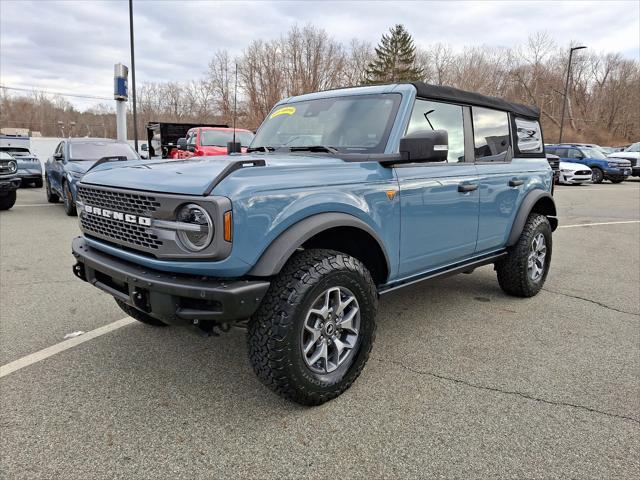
9	185
175	299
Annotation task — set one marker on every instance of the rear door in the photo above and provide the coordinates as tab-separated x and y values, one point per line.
438	201
502	182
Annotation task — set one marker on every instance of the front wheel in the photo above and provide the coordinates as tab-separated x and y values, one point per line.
38	182
313	332
597	175
523	272
67	198
7	201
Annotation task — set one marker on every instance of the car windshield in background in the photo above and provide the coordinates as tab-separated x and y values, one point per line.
633	148
220	138
593	153
353	124
98	150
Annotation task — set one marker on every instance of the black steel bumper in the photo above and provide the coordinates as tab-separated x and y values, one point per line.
9	185
172	298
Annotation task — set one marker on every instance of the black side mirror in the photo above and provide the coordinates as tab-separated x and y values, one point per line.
424	146
234	147
144	147
57	156
182	144
191	148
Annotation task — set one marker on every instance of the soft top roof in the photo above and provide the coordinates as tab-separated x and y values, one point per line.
437	92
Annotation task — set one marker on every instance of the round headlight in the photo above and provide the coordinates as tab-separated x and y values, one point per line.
197	232
13	166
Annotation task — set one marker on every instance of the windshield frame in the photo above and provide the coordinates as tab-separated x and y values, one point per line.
380	148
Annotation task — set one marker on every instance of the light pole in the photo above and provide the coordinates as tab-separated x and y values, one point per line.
566	89
133	78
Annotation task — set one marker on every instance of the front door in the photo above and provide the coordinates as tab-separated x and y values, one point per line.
438	201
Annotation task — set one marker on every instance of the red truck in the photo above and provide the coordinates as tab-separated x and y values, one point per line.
210	141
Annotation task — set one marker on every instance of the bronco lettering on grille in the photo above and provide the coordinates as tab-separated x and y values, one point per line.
123	217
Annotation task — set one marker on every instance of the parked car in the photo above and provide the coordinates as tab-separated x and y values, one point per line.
631	153
607	150
29	166
554	163
162	137
9	181
574	173
343	196
602	168
211	141
72	158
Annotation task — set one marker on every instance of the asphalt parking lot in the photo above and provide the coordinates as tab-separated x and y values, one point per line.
463	381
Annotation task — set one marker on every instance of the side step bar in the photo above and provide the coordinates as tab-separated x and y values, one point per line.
443	272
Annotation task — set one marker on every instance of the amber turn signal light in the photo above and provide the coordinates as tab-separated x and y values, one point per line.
228	226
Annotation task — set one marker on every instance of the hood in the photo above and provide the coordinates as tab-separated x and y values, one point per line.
192	176
573	167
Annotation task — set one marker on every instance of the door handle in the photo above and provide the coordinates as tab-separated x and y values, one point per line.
467	187
515	182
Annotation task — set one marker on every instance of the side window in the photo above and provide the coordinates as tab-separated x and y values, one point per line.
59	148
574	153
529	136
490	134
429	115
551	150
562	152
191	138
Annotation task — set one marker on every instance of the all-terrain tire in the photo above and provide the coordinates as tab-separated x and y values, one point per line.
275	331
139	315
513	272
597	175
7	201
67	198
51	197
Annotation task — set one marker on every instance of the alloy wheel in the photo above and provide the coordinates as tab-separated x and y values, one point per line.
536	259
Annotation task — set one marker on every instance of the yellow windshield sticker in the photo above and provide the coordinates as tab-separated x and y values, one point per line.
284	111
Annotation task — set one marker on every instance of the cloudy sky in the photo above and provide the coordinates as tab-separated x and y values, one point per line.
71	46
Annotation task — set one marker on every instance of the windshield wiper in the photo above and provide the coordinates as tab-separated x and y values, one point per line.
261	148
315	148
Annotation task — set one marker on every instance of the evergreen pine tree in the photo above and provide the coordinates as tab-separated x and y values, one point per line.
395	58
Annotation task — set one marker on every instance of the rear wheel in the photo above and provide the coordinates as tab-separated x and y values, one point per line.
67	198
523	272
597	175
313	332
7	201
139	315
51	197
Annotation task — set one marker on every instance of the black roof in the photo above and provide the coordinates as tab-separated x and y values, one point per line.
438	92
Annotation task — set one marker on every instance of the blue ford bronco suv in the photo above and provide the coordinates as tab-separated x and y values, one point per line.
343	196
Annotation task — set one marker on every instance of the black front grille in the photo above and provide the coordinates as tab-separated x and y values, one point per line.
582	172
554	164
130	234
137	204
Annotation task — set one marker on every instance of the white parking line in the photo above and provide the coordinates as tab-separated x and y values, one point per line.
593	189
596	224
61	347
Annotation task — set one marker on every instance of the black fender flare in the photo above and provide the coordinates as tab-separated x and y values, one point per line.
527	205
280	250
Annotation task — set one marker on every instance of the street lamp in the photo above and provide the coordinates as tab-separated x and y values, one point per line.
566	88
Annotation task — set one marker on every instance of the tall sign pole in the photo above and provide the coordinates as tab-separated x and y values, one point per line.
133	78
120	94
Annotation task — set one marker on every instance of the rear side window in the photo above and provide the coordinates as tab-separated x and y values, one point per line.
562	152
529	136
490	134
429	115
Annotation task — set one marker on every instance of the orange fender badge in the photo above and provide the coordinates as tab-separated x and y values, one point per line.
391	194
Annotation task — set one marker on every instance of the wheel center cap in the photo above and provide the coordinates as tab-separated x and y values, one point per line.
329	328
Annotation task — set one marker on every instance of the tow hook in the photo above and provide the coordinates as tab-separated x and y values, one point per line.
209	328
78	271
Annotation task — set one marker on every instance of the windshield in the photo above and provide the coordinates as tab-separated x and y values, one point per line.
16	151
634	148
219	138
593	153
98	150
354	124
